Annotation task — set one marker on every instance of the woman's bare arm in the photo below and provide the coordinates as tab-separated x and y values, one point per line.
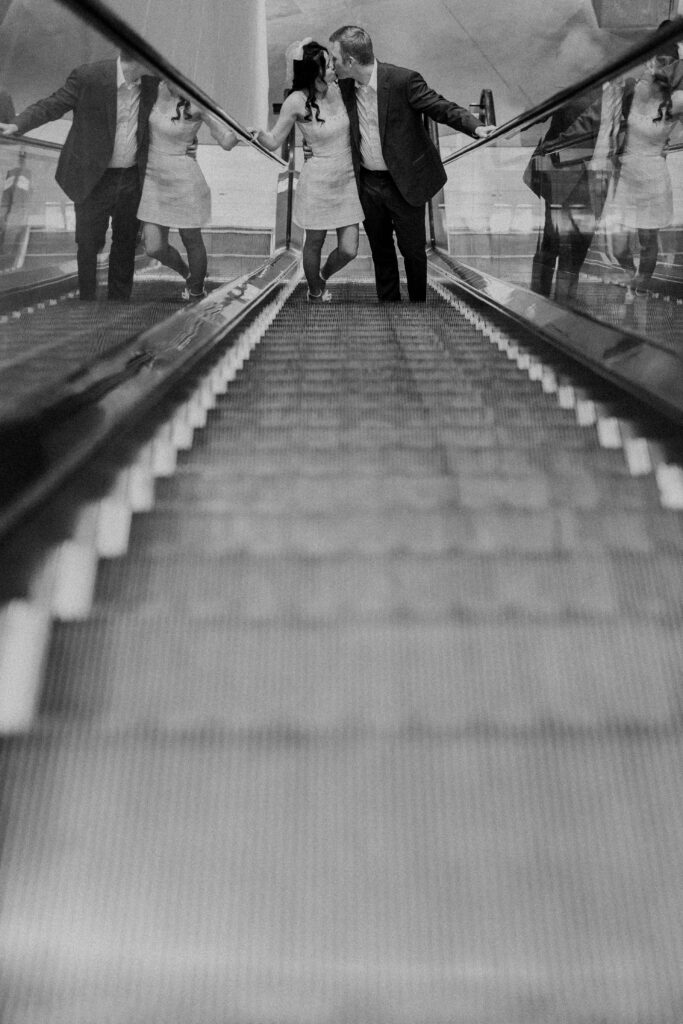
292	111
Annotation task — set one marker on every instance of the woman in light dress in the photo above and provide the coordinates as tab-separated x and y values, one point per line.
326	197
641	199
175	193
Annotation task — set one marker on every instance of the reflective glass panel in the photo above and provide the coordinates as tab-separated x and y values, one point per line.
42	43
585	206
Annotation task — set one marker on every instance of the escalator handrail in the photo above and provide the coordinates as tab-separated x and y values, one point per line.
27	140
116	29
633	56
642	367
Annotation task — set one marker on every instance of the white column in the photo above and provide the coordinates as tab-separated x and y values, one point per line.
221	45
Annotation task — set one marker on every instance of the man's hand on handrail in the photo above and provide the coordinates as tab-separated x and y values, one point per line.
8	129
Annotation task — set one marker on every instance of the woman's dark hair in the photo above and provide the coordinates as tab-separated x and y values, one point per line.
661	79
183	107
668	49
306	72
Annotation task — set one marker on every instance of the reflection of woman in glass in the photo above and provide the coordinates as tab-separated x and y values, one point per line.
175	193
641	197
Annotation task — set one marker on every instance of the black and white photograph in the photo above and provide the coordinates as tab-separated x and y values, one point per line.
341	512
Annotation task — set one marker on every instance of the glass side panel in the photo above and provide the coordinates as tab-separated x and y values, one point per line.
585	206
36	219
41	43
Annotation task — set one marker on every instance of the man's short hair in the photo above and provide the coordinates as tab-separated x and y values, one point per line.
354	42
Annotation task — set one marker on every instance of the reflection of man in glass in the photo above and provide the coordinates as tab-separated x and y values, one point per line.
558	173
102	162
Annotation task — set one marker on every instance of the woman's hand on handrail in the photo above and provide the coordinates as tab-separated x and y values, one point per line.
292	111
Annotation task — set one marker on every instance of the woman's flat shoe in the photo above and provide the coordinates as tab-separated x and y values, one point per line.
324	296
188	296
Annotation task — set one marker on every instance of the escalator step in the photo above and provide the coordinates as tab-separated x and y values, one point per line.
379	721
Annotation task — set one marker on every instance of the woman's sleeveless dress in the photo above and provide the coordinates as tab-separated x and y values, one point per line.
643	196
327	196
175	192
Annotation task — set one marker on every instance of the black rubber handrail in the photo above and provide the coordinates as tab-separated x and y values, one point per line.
640	367
27	140
635	55
120	32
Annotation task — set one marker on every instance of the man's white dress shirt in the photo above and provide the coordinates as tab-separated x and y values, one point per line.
368	122
127	109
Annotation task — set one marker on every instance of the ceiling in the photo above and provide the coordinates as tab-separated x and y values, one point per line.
523	50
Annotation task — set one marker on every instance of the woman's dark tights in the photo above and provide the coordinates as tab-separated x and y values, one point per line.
156	246
648	240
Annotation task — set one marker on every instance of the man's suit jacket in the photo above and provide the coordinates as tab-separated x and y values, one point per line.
558	169
90	92
413	160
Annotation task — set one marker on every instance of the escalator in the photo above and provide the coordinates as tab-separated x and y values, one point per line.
379	719
364	704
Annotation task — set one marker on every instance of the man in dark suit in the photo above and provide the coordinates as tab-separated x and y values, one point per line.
102	162
398	167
